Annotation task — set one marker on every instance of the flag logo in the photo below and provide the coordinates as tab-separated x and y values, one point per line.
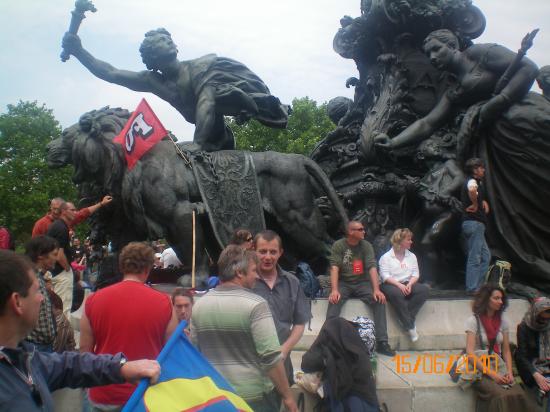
142	131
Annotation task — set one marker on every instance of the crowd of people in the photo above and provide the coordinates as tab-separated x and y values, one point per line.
248	325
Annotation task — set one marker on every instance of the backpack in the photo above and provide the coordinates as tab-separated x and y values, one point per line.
365	328
6	239
308	280
500	274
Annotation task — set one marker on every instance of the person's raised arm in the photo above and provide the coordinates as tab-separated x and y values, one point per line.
104	202
138	81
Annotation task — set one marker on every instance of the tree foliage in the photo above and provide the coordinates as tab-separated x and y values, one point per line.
26	182
307	125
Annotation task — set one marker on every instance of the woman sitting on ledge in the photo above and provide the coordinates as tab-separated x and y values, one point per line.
399	273
488	328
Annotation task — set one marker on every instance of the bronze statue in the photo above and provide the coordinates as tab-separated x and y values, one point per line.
156	199
510	130
203	90
543	80
425	99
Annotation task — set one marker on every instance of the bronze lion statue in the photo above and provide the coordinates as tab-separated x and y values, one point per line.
156	198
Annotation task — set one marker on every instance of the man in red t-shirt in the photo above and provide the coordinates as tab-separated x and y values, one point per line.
42	224
128	317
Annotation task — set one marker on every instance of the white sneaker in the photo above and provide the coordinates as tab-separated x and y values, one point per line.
413	334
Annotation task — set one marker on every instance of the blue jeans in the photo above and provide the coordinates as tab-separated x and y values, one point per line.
478	254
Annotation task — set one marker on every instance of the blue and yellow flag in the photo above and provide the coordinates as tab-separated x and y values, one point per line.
187	383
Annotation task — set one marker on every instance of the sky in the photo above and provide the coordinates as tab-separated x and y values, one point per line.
288	43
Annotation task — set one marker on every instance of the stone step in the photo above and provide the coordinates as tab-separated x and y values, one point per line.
440	323
418	390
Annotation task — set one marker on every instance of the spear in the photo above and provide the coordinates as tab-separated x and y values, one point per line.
526	44
77	15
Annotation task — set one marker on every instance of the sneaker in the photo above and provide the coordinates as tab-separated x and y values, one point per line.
413	334
385	349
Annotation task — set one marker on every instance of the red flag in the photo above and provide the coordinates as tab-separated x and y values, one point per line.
141	133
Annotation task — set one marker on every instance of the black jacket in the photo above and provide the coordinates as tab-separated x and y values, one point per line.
342	356
526	352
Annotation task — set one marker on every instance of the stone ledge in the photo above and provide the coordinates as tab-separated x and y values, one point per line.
440	323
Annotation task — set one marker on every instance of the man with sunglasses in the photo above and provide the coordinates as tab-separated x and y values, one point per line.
353	273
28	376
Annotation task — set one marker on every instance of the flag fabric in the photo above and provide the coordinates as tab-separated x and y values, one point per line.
187	383
142	131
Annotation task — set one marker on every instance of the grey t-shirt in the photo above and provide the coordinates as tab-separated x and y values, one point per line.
353	262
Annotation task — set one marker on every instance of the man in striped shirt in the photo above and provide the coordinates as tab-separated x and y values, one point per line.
233	327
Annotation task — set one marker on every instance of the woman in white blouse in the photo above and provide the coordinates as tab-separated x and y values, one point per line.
399	274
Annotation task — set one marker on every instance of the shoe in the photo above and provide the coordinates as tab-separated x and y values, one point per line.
413	334
385	349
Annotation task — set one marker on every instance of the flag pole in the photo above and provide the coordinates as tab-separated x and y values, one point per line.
193	258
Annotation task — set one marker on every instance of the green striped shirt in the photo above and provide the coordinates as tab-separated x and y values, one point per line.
234	329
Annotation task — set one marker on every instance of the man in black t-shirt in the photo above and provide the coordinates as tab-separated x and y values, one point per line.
476	208
62	273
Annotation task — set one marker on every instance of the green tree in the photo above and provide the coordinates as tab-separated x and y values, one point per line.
26	182
307	125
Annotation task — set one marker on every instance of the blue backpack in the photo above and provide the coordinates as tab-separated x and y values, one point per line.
308	280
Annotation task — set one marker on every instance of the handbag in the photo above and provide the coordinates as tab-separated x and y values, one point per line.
454	372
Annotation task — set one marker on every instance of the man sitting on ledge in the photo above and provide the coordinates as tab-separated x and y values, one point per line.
350	259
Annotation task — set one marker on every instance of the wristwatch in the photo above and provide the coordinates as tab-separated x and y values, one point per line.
122	361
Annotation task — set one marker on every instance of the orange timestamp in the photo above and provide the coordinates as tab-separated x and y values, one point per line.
437	363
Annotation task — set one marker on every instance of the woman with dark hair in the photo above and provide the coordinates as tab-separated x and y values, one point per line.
533	352
243	238
488	328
